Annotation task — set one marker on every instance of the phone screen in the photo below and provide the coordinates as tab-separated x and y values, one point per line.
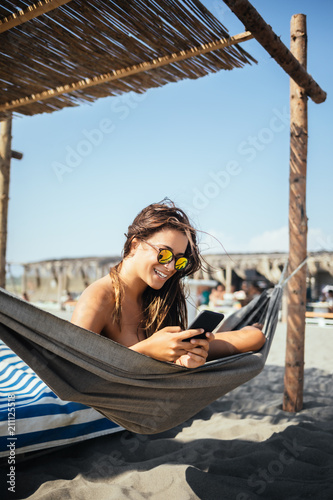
208	320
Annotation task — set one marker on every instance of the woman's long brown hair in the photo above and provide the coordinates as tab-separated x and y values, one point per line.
166	306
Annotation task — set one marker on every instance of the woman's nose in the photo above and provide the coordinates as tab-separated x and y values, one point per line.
170	266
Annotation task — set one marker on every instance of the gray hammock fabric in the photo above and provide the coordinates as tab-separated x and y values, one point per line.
139	393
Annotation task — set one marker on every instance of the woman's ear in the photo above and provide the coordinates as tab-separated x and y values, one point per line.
134	245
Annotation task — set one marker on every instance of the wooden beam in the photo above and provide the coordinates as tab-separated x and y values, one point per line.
264	34
34	10
16	155
129	70
5	154
298	228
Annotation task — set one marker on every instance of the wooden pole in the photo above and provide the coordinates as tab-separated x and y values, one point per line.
264	34
5	156
60	274
24	280
294	368
228	278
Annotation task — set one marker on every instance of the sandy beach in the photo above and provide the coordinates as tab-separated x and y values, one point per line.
242	447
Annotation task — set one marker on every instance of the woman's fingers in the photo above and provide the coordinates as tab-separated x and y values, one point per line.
198	352
170	329
201	350
191	360
199	358
188	334
203	342
200	346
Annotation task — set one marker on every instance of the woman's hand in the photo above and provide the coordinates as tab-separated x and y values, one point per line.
169	344
260	326
197	354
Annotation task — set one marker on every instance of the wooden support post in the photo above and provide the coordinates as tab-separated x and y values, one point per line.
264	34
24	280
294	368
228	278
60	275
5	156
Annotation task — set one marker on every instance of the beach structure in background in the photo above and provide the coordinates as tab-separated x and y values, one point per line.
114	52
50	280
55	285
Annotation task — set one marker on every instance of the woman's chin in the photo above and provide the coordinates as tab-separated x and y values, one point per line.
156	284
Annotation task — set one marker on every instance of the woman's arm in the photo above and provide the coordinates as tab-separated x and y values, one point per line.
249	338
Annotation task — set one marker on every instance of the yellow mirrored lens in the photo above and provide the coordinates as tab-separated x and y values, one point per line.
165	256
181	263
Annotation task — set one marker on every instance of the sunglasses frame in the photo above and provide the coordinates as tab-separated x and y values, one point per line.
173	256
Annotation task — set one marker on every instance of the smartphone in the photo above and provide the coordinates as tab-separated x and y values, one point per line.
208	320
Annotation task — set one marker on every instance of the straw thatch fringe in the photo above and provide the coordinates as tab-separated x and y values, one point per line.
82	40
125	72
31	12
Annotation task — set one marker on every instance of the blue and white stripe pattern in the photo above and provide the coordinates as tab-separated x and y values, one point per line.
42	420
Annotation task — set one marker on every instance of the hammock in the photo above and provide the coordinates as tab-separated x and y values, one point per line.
137	392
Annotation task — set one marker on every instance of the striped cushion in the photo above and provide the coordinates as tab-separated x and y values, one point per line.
42	420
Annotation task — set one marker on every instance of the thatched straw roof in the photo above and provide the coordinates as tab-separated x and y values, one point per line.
83	44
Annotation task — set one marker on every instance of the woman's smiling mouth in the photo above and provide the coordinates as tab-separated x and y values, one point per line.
160	274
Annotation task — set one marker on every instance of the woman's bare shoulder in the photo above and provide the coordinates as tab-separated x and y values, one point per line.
95	305
100	291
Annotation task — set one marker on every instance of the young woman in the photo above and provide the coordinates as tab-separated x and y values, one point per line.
141	302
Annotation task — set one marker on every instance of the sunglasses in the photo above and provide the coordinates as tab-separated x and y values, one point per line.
165	256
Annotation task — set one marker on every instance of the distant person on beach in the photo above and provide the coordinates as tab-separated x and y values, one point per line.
141	303
69	297
242	295
254	291
217	295
329	301
203	296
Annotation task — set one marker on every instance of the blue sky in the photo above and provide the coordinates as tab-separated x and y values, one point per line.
218	146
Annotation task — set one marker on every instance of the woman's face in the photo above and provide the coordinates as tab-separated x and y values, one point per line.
149	269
